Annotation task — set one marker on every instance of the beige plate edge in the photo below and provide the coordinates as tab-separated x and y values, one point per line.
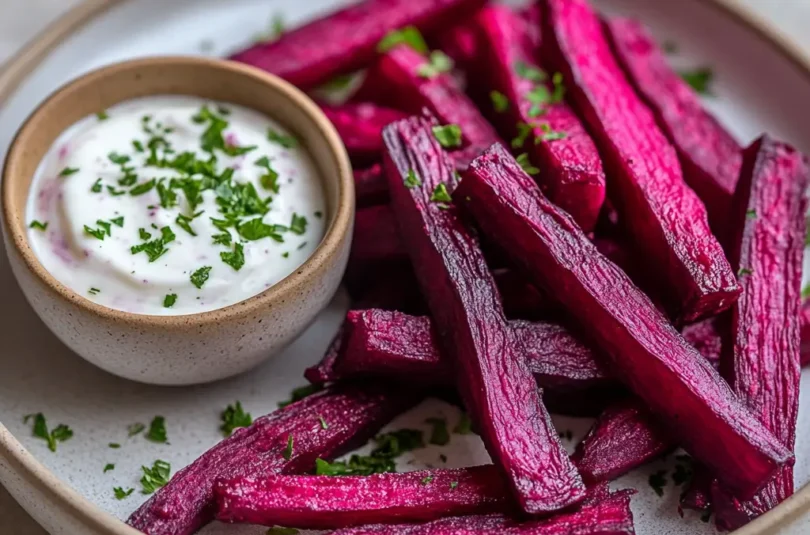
15	71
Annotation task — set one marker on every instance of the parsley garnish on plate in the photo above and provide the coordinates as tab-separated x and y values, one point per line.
699	79
528	72
39	225
199	277
120	493
389	446
412	181
288	451
60	433
114	445
233	417
438	62
448	136
155	477
408	35
157	430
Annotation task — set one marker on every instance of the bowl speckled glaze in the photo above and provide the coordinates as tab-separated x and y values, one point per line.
194	348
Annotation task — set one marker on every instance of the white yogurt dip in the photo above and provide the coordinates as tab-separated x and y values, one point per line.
175	205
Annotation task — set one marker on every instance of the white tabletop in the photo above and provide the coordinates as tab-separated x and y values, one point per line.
21	20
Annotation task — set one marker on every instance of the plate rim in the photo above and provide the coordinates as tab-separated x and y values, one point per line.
21	462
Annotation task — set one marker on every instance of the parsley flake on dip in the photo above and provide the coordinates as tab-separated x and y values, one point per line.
174	205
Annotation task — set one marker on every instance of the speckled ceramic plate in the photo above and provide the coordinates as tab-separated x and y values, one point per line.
761	85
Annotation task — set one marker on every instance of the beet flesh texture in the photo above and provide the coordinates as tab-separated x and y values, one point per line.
498	389
663	216
762	362
360	125
347	40
571	173
376	238
625	435
804	320
391	344
370	186
608	516
394	81
354	414
688	396
329	502
710	157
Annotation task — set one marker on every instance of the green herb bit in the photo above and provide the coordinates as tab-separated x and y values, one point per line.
298	225
285	140
39	225
233	417
288	451
212	138
380	460
94	291
526	165
300	393
120	493
169	300
549	134
222	239
157	430
60	433
453	485
184	222
395	443
199	277
324	425
96	187
278	530
338	83
118	221
118	159
529	72
108	467
744	271
524	131
751	214
440	194
114	445
464	425
699	79
438	434
98	234
115	192
143	187
408	35
285	255
426	480
806	292
135	429
102	115
235	258
156	248
67	171
268	180
137	145
412	181
438	62
155	477
256	229
500	102
168	197
318	214
448	136
558	81
658	481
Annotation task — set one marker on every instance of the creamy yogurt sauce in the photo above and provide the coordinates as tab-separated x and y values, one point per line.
175	205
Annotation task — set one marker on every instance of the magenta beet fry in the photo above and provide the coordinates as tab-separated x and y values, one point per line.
643	172
347	40
360	127
498	390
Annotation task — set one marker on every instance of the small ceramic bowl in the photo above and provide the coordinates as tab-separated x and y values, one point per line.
194	348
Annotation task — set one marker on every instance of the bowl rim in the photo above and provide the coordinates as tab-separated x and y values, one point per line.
339	224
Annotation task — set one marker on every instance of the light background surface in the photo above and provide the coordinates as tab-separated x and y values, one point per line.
20	20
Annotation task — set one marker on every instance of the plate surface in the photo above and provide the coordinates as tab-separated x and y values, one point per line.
758	89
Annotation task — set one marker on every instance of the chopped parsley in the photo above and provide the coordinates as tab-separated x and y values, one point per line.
438	434
524	131
751	214
108	467
120	493
526	165
440	194
464	425
500	102
408	35
269	180
222	239
235	258
438	62
184	222
549	134
135	429
256	229
453	485
118	221
212	139
744	271
199	277
39	225
806	292
389	446
529	72
298	225
300	393
288	451
448	136
143	187
169	300
412	181
155	477
102	115
167	195
94	291
96	187
101	232
286	141
658	481
426	480
114	445
114	192
67	171
318	214
278	530
157	430
233	417
156	248
324	425
699	79
60	433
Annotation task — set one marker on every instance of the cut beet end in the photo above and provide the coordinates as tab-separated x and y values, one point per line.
661	213
354	414
347	40
649	355
498	389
